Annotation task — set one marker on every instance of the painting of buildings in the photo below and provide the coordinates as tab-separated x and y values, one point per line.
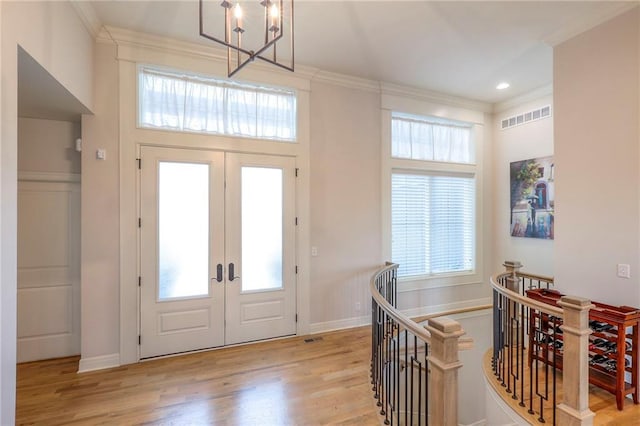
532	198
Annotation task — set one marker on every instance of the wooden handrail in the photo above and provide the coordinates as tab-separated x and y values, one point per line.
457	311
397	316
550	280
523	300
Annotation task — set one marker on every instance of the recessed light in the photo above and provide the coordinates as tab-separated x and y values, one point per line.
503	85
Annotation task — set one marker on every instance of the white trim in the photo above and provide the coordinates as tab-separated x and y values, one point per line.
424	95
323	327
129	42
347	81
534	95
99	362
434	309
88	16
49	177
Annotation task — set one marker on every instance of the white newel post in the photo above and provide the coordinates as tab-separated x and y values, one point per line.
574	409
443	371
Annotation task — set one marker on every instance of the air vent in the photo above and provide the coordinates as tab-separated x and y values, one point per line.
526	117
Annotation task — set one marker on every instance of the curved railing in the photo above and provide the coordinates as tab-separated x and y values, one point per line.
413	366
530	338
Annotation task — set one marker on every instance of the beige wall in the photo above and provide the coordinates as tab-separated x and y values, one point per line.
531	140
48	146
345	200
596	98
100	274
53	35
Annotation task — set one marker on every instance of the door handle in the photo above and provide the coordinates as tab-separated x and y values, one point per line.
219	273
232	275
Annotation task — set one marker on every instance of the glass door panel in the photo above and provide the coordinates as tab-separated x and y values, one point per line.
183	230
261	228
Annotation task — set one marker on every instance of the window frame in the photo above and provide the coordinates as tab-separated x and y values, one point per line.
391	165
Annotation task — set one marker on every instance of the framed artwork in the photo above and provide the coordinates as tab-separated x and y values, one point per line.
532	198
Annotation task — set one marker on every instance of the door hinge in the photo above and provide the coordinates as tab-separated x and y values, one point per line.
296	317
139	222
296	221
139	281
139	160
297	171
296	269
139	339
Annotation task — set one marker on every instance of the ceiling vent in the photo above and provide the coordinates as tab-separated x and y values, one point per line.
526	117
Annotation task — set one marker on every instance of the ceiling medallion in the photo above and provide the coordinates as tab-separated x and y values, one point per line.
252	30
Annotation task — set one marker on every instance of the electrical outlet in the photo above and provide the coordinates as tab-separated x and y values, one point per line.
314	251
624	270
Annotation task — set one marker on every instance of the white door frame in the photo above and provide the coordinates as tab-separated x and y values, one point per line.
131	138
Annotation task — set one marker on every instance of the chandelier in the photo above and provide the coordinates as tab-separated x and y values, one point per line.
252	30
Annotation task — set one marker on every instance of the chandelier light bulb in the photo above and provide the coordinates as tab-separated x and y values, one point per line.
274	11
237	12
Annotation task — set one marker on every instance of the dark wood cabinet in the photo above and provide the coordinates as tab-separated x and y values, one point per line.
613	345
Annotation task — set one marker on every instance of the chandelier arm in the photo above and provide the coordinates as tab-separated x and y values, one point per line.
288	68
229	45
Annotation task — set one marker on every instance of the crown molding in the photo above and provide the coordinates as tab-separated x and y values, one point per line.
88	16
575	28
345	80
124	37
435	97
524	98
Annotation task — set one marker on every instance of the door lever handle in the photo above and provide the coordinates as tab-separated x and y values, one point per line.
219	273
232	275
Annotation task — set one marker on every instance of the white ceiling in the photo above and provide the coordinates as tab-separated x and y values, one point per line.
458	48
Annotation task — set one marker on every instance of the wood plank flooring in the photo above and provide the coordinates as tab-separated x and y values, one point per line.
282	382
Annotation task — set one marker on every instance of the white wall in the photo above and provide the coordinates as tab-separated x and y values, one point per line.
54	36
345	200
100	275
596	99
48	146
531	140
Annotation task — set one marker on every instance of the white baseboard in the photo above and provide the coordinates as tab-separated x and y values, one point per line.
99	362
323	327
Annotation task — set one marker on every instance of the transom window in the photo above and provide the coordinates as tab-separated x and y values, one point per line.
174	100
433	200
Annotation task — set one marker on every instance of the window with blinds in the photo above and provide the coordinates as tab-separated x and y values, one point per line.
433	213
192	103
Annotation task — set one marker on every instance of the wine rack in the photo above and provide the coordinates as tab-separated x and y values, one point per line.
613	344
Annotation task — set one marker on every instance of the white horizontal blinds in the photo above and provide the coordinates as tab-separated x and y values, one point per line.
410	223
432	223
418	139
192	103
452	206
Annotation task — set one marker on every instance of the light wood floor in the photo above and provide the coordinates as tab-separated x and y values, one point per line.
284	382
601	402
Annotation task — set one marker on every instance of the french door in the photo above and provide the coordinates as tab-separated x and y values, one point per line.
217	249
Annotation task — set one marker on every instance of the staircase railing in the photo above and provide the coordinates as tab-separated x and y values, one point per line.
530	340
414	368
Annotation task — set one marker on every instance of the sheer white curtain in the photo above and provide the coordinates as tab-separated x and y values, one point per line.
197	104
424	140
